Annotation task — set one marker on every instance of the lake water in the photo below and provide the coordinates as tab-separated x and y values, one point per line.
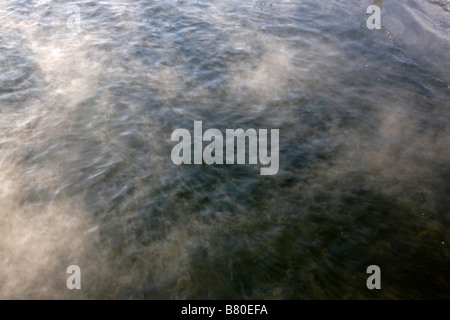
91	91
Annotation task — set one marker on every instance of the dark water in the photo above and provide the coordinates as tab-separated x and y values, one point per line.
86	115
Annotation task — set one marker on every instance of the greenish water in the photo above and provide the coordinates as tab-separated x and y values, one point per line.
86	115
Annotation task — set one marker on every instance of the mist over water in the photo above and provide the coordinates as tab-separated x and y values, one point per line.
86	115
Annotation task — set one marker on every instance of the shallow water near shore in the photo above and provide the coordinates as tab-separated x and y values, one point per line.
88	106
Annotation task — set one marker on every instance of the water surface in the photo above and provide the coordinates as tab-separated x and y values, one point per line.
86	115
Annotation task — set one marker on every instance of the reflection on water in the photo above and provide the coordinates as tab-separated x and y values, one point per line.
86	115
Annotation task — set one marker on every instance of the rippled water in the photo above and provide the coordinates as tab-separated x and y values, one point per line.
87	108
